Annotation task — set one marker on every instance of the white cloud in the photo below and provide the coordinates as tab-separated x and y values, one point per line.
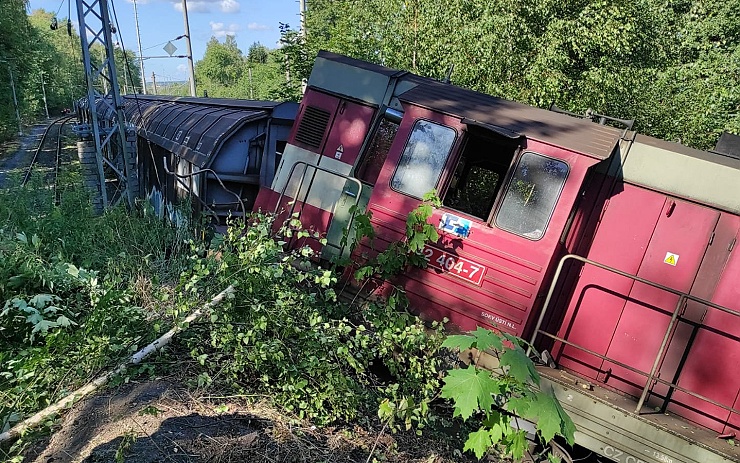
206	6
257	27
230	6
195	7
219	30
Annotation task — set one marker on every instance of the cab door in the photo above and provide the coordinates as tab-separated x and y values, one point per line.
506	201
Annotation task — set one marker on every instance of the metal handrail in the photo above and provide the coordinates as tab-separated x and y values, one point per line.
683	297
305	197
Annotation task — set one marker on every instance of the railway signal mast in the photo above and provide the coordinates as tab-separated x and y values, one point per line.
110	144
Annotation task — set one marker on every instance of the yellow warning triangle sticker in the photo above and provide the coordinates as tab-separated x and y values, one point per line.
671	259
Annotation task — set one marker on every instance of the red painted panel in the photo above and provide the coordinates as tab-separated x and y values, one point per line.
319	100
266	200
515	266
351	125
620	242
311	217
683	231
711	368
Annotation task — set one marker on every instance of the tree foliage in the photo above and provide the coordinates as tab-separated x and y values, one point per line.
498	399
671	66
46	60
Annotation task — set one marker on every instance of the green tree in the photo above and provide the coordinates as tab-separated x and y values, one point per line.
221	67
56	62
257	54
15	46
669	65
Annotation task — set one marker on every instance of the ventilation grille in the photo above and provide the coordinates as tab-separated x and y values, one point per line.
312	128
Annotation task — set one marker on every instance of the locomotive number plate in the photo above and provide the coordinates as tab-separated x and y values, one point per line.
454	265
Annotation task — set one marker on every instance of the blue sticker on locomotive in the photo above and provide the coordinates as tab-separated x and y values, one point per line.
455	225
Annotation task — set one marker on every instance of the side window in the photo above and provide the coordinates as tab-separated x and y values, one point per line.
374	158
423	158
479	174
531	196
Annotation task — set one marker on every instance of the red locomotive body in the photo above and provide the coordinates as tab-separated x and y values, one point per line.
615	251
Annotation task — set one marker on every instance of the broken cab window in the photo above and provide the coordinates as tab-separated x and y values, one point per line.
423	158
480	171
531	195
373	160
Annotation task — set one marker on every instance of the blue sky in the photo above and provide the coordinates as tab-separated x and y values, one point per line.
248	21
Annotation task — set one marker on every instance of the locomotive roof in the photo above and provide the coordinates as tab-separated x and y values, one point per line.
558	129
690	173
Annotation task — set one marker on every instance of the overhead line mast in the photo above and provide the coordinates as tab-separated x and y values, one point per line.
95	27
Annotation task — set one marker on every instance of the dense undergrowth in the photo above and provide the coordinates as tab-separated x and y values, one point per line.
80	294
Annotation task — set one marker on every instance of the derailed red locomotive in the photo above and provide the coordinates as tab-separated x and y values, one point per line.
613	250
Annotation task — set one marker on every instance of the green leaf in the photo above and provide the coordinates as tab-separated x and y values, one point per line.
470	389
545	407
386	410
567	427
517	444
40	300
64	321
459	341
522	405
486	339
520	366
497	425
478	442
73	270
43	326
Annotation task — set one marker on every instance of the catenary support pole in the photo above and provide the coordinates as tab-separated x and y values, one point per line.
191	69
141	57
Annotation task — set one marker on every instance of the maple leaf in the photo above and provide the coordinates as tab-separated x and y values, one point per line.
486	339
522	405
567	427
520	366
460	341
548	418
517	444
471	389
479	442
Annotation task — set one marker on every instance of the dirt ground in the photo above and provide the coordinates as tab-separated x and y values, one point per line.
159	421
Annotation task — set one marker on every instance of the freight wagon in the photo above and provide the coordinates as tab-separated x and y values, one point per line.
215	152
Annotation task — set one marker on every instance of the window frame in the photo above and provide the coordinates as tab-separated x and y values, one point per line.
503	184
505	190
441	174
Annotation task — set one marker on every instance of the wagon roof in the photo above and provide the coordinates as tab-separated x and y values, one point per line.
557	129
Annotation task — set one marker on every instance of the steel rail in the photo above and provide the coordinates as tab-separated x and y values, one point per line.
57	163
40	147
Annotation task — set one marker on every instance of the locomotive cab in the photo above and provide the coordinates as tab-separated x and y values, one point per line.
374	139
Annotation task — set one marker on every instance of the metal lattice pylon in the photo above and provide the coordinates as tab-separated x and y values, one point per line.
95	27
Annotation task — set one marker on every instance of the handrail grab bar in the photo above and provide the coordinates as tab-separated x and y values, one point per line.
674	317
300	187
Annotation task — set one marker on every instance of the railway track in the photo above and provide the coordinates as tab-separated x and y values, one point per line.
49	156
